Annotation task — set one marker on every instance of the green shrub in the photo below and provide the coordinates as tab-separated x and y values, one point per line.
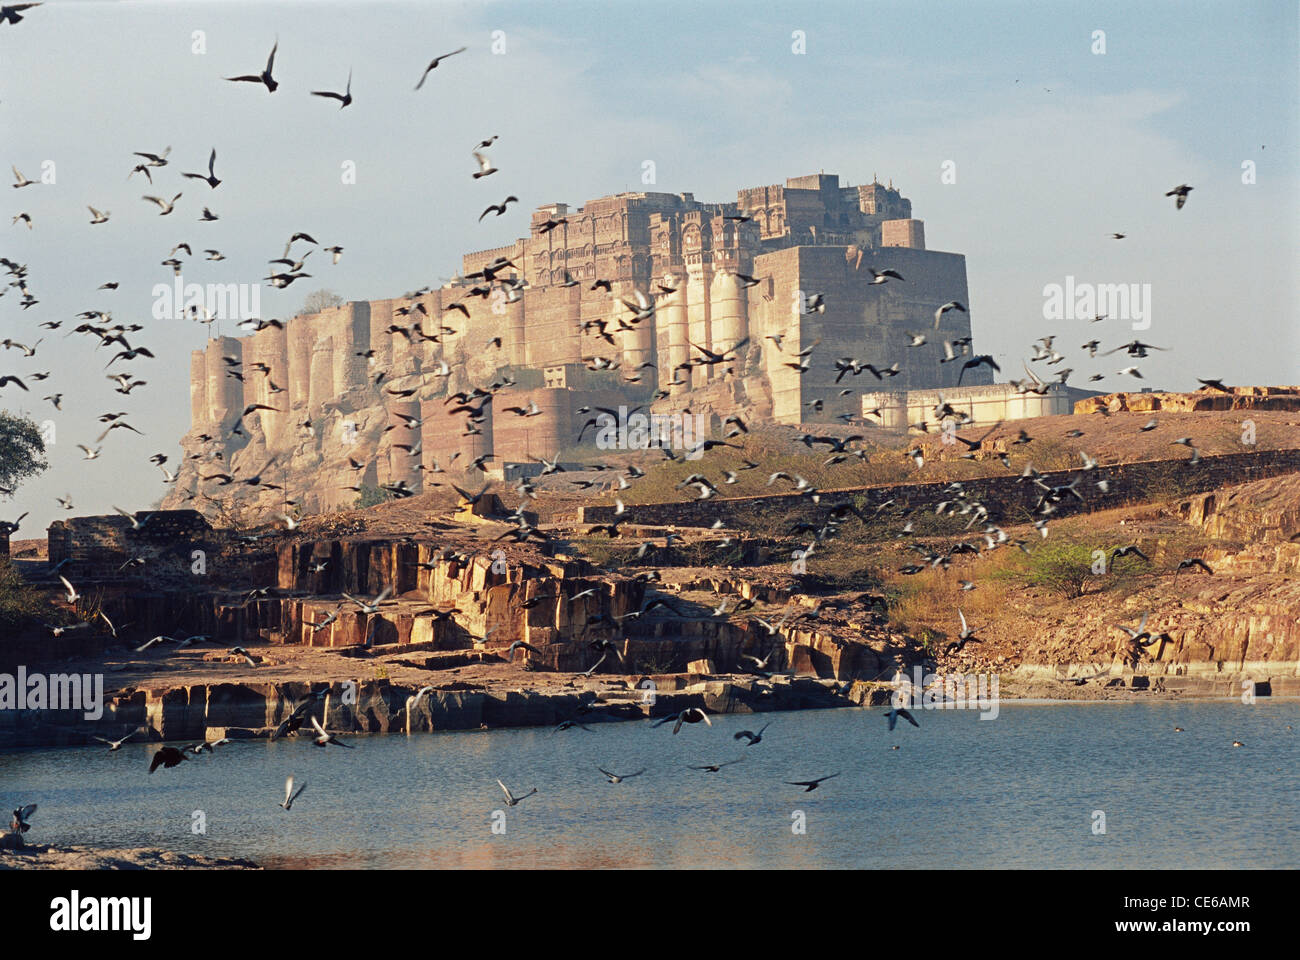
20	604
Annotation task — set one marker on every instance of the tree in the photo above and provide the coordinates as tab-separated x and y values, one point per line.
370	497
22	451
319	300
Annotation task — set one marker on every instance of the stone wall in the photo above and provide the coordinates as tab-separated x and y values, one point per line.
1008	497
98	545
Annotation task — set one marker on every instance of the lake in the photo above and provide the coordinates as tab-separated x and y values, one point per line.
1020	790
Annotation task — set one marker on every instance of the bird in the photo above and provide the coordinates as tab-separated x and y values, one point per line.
414	699
244	655
265	76
344	98
210	178
983	359
21	816
950	305
1181	191
811	785
10	13
966	636
689	715
569	725
21	181
1192	562
289	795
511	799
324	738
499	208
485	167
510	652
1130	549
114	745
1141	633
619	778
897	712
715	767
167	206
96	216
433	65
73	596
367	607
167	757
294	722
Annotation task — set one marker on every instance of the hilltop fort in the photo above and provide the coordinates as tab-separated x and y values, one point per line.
737	279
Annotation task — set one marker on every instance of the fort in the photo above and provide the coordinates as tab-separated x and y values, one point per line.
737	279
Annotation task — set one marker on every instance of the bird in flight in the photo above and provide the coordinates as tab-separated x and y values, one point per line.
1192	562
619	778
715	767
966	636
433	65
950	305
750	737
811	785
20	824
511	799
167	757
1181	191
263	77
114	745
167	206
344	98
897	712
499	208
210	178
323	738
289	795
689	715
485	167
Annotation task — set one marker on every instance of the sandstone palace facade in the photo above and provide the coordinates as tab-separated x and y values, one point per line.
808	236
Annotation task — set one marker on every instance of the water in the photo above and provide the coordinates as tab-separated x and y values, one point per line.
1018	791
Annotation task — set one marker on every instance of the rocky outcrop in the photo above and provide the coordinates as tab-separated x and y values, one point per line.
1206	398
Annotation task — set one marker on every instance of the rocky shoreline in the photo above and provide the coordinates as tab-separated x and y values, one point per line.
48	857
250	710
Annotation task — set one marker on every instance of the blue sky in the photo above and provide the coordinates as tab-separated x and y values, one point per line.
1054	148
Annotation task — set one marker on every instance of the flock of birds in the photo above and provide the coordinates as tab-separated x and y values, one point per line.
494	276
167	756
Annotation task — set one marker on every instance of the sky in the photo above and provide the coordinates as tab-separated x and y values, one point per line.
1049	146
